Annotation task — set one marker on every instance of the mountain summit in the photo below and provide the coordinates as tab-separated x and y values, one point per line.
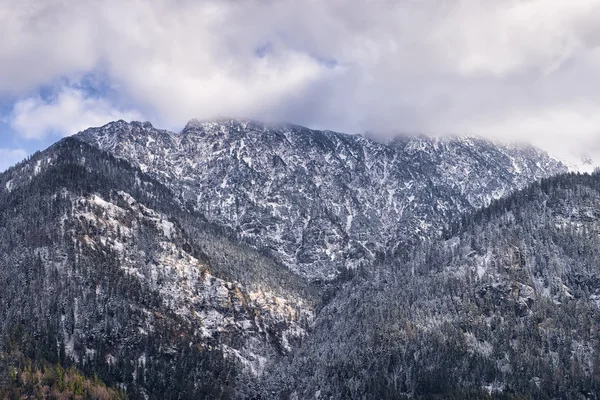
323	201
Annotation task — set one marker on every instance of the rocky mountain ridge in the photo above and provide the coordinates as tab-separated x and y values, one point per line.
323	201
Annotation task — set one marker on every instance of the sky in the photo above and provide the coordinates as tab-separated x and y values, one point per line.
511	70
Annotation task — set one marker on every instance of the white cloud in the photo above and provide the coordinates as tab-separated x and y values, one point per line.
9	157
485	66
66	113
181	59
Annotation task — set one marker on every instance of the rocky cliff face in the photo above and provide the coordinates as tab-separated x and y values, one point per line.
323	201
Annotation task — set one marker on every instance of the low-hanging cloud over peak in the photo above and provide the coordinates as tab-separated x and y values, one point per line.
517	70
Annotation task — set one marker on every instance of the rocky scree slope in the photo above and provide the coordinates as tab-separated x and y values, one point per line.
323	201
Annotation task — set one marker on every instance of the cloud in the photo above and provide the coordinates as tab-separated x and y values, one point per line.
67	112
10	157
515	69
181	59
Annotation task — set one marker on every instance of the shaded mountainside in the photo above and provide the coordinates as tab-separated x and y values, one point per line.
507	305
102	267
323	201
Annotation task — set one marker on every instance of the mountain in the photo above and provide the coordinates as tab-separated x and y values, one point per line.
205	263
102	267
506	306
322	201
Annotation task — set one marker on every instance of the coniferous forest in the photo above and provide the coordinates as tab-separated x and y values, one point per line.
116	284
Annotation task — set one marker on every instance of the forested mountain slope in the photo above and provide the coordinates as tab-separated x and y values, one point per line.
323	201
29	379
192	264
508	305
102	267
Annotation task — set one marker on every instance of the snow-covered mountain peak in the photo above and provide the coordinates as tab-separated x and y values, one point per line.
126	126
220	124
324	201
